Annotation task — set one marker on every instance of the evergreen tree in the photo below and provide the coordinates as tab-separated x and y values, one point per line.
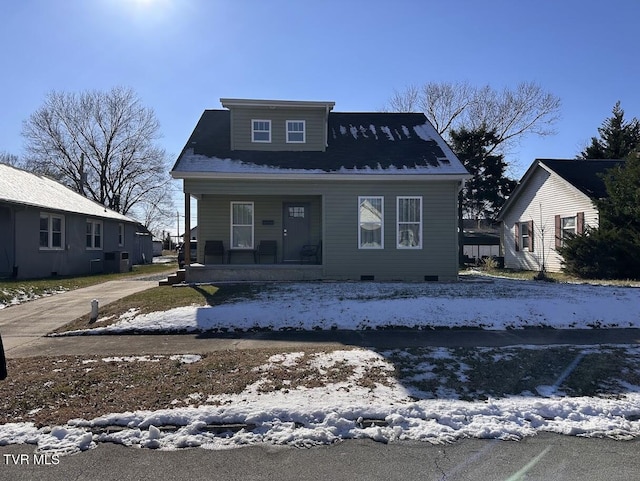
617	137
484	194
621	208
613	249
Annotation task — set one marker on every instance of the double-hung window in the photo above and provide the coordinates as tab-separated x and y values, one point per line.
295	131
524	236
568	226
94	234
370	222
242	225
409	218
261	131
51	231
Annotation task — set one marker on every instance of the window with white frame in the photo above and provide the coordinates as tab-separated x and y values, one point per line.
525	241
370	222
568	228
51	231
295	131
94	234
409	219
120	235
242	225
261	131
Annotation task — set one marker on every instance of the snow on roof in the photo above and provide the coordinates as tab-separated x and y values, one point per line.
21	187
190	162
357	143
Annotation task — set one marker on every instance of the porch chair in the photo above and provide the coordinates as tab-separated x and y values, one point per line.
267	248
214	248
309	251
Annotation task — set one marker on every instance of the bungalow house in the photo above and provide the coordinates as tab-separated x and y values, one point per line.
553	199
47	229
317	194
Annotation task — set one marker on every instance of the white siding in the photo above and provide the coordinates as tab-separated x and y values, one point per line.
545	196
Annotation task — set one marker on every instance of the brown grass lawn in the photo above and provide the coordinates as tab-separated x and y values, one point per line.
52	391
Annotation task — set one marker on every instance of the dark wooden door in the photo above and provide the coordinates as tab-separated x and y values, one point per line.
296	223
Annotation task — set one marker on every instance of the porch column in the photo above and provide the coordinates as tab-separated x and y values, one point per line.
187	229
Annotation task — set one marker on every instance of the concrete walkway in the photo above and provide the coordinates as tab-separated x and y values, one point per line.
26	323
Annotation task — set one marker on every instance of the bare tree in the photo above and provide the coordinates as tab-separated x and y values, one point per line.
510	113
156	211
101	144
9	159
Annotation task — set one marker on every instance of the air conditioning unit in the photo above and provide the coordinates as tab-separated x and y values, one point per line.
117	261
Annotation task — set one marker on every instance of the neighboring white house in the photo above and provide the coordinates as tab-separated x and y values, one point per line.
553	199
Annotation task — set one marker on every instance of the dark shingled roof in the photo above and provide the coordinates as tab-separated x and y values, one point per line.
370	148
585	175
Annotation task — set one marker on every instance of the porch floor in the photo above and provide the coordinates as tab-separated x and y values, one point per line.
253	272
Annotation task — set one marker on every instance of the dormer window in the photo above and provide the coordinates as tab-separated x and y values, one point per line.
295	131
261	131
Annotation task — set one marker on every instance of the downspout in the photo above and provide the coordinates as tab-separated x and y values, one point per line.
326	126
14	273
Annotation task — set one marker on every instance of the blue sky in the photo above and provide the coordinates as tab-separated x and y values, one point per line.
181	56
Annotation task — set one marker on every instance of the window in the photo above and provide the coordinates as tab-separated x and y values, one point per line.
94	234
242	225
120	235
51	231
409	233
568	228
295	131
370	222
524	236
261	131
297	211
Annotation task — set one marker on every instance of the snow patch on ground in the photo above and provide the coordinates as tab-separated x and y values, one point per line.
304	417
497	305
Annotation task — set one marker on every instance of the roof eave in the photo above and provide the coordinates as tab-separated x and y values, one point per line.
228	102
321	176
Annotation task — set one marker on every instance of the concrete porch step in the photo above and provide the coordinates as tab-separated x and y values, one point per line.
176	278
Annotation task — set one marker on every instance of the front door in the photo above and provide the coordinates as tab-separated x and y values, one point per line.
296	228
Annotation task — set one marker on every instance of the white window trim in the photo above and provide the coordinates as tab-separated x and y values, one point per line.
524	248
253	131
50	218
120	235
93	235
398	199
304	132
232	225
360	200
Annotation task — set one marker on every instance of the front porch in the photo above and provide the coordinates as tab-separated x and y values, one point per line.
253	272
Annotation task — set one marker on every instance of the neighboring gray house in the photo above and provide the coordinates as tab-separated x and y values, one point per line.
364	196
553	199
47	229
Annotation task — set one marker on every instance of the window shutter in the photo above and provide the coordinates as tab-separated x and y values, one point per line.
558	232
531	236
517	235
580	223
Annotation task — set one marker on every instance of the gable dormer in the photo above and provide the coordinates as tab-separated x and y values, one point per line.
278	125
